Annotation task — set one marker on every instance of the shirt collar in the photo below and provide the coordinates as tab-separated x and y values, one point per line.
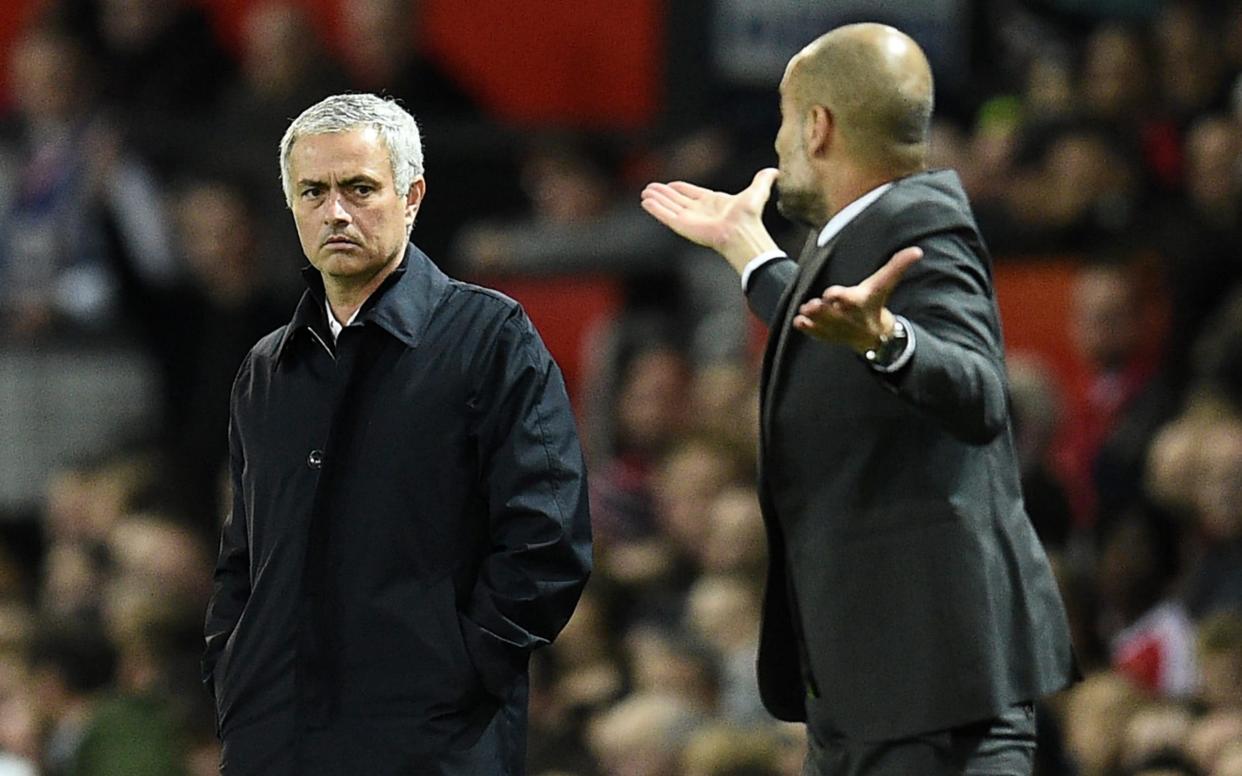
402	305
849	213
334	326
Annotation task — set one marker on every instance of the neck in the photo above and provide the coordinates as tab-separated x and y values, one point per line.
346	295
852	184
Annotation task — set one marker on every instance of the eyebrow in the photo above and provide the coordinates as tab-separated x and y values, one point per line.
353	180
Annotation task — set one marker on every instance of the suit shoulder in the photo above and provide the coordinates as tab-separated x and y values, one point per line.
921	205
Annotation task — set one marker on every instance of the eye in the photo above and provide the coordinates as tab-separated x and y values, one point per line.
311	192
364	190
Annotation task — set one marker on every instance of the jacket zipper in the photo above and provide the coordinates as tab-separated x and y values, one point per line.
319	339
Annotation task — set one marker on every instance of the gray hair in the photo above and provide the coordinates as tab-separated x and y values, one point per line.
343	112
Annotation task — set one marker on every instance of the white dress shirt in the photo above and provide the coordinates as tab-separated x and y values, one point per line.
335	326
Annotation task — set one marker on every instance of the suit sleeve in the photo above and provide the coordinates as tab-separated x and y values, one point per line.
538	521
956	373
766	286
231	585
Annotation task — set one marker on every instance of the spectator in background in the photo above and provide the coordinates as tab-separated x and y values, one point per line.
664	658
724	612
161	69
1211	736
575	678
1097	712
1079	194
1220	660
19	736
732	751
1119	98
1214	579
70	667
1155	730
283	66
1150	634
384	51
1107	328
1035	405
79	214
637	423
643	735
578	225
201	329
1198	236
734	541
1189	63
724	404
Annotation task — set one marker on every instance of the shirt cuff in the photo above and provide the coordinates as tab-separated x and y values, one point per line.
759	261
904	357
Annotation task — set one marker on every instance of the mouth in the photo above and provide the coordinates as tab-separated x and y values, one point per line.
339	241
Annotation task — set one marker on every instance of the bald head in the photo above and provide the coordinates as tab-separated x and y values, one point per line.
877	83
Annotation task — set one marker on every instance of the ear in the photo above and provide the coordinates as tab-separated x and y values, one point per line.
418	189
819	126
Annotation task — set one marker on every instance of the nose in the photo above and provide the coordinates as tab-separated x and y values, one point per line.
335	213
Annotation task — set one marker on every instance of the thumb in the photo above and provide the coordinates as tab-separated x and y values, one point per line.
760	187
886	277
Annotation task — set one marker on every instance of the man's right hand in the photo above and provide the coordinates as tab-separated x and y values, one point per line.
730	224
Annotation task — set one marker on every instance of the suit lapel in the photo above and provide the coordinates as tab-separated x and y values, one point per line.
810	263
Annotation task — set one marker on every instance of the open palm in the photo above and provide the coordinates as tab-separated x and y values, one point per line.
857	315
730	224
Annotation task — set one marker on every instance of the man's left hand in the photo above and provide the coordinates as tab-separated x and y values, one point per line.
856	315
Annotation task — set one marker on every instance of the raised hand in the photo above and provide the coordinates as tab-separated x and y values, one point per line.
856	315
730	224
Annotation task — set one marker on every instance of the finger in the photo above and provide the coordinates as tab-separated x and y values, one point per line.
812	307
669	193
660	211
808	326
885	278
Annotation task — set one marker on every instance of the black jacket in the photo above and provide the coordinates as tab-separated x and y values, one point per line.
409	521
905	578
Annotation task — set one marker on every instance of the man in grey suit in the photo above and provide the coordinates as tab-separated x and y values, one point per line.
911	617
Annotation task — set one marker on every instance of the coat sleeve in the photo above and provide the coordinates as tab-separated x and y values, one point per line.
534	476
956	373
766	286
231	584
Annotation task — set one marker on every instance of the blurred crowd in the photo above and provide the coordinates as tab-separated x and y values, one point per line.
144	246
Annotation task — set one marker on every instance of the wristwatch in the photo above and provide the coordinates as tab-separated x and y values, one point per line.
890	347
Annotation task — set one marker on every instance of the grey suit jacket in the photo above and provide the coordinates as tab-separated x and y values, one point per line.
906	590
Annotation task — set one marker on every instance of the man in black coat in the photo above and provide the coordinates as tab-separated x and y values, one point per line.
911	617
409	515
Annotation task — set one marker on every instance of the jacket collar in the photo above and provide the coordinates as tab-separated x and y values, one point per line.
401	306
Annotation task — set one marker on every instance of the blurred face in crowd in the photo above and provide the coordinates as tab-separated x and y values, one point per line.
1213	153
650	409
1219	490
274	50
1114	73
1106	326
45	70
217	239
351	220
1097	712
